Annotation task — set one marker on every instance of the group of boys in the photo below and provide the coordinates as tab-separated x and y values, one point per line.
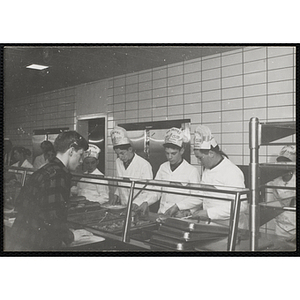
42	204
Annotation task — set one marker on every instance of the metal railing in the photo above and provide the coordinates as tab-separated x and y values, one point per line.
258	136
221	193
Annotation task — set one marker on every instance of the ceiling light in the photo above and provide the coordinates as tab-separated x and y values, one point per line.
37	67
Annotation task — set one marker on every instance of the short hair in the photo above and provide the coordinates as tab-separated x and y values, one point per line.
47	145
68	139
214	149
172	146
26	152
122	147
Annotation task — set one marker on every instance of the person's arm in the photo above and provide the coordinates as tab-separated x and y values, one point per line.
201	215
116	196
103	191
37	163
146	198
191	202
150	197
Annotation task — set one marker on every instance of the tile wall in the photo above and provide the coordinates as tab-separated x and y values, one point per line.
48	110
221	91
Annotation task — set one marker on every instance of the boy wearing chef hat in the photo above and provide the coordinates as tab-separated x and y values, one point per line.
285	223
219	171
176	171
88	187
129	165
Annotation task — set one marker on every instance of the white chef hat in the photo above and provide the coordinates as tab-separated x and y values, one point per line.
93	151
203	138
119	136
288	152
176	137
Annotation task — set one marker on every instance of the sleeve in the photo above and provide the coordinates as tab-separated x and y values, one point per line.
151	196
118	170
219	212
103	191
36	163
191	202
233	177
145	196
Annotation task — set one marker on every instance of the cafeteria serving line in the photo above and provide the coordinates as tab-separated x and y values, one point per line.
213	128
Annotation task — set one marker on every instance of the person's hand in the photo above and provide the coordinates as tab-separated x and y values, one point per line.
183	213
201	215
114	200
135	207
144	208
135	210
172	211
74	190
80	234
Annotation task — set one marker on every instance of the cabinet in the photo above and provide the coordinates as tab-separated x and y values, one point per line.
263	134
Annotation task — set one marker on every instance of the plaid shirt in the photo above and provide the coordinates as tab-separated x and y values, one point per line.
41	222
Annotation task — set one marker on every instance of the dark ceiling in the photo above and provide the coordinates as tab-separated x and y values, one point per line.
74	65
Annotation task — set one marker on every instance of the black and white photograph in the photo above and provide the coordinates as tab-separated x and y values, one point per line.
145	149
149	149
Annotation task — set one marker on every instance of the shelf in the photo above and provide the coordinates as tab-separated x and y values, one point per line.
273	131
269	172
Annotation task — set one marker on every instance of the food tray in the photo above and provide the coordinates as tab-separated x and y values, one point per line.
192	225
114	208
78	205
92	216
185	235
116	225
170	243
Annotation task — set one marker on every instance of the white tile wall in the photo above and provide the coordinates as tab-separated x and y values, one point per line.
232	81
255	54
232	59
192	77
222	91
192	66
232	70
281	62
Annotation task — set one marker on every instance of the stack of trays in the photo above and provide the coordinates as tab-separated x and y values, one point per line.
177	234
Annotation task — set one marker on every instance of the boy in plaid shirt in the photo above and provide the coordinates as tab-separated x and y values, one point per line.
41	222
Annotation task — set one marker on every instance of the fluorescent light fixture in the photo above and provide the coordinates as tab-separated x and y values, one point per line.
37	67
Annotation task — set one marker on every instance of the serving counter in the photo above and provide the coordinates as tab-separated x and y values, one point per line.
118	228
123	229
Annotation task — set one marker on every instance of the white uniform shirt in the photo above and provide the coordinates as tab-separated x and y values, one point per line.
93	191
227	174
285	223
39	161
139	168
184	173
25	164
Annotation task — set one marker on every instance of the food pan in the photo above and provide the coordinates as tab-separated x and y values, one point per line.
192	225
188	235
116	225
170	243
92	216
